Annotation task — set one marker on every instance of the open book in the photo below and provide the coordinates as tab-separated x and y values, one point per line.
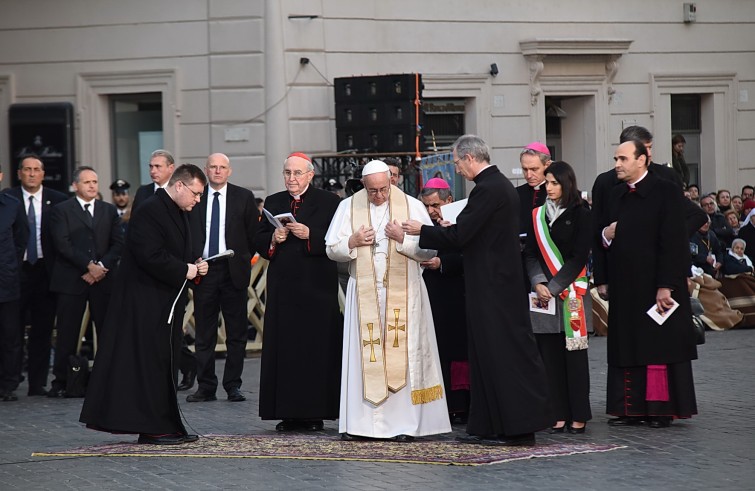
280	220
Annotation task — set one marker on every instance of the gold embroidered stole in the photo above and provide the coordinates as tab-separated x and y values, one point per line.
384	361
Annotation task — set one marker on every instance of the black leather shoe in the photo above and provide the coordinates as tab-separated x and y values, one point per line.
625	421
175	439
403	438
474	439
201	396
8	396
660	422
288	425
526	439
554	430
235	395
190	438
312	425
187	382
36	391
577	431
56	393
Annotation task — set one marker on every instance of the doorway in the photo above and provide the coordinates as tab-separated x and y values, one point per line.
137	131
570	123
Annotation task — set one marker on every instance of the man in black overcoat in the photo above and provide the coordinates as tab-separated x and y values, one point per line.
36	298
300	375
88	238
694	216
161	167
444	279
225	218
508	385
647	245
132	388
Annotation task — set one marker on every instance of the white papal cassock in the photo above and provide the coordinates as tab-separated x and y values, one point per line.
397	415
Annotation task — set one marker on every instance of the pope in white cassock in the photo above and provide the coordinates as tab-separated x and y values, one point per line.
391	383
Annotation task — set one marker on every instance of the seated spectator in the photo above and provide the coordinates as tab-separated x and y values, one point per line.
732	218
736	204
747	206
723	199
718	223
709	253
694	193
747	233
736	261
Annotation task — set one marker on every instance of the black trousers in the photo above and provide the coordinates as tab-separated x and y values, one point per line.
10	346
568	375
39	304
70	313
214	294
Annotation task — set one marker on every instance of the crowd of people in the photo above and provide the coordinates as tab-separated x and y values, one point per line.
483	319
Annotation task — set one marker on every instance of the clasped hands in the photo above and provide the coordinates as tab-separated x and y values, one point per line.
299	230
199	268
95	272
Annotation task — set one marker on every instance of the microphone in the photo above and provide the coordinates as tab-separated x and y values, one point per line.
223	255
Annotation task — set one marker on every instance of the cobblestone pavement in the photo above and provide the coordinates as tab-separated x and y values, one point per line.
711	451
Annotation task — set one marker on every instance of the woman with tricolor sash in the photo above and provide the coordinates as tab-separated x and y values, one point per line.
556	252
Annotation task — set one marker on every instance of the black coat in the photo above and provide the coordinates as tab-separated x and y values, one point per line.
78	243
694	216
707	243
132	387
300	372
650	251
242	219
50	198
142	193
508	385
528	201
571	232
14	235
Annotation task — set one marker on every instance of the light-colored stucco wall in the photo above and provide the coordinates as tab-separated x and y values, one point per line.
234	64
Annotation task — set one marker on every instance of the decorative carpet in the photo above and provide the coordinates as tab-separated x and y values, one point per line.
421	451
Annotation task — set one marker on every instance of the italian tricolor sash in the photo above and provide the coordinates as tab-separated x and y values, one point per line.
575	325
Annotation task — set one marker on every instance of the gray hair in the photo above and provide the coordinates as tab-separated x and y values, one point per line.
544	157
738	241
443	194
79	170
310	165
163	153
474	146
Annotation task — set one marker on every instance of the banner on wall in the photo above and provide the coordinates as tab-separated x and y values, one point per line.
442	166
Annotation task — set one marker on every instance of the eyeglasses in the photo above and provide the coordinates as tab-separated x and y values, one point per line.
381	191
295	174
456	162
195	193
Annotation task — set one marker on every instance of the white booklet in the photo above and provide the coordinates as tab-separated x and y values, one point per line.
661	316
280	220
537	306
452	210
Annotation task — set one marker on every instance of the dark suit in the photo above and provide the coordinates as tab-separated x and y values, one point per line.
36	298
14	234
224	288
144	192
79	240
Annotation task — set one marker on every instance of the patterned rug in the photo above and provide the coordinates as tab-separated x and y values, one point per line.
422	451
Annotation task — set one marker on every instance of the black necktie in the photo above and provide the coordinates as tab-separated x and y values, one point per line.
88	215
214	226
31	246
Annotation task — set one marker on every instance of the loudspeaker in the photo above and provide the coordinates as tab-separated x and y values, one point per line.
47	131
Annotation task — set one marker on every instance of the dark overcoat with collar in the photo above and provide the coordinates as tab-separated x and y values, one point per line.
132	388
650	251
508	385
301	357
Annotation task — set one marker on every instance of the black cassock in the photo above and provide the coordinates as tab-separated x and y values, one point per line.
133	388
508	384
445	289
650	250
300	374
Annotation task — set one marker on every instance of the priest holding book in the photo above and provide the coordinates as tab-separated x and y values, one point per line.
301	355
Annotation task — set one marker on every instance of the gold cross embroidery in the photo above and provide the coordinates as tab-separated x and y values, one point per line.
396	327
372	343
